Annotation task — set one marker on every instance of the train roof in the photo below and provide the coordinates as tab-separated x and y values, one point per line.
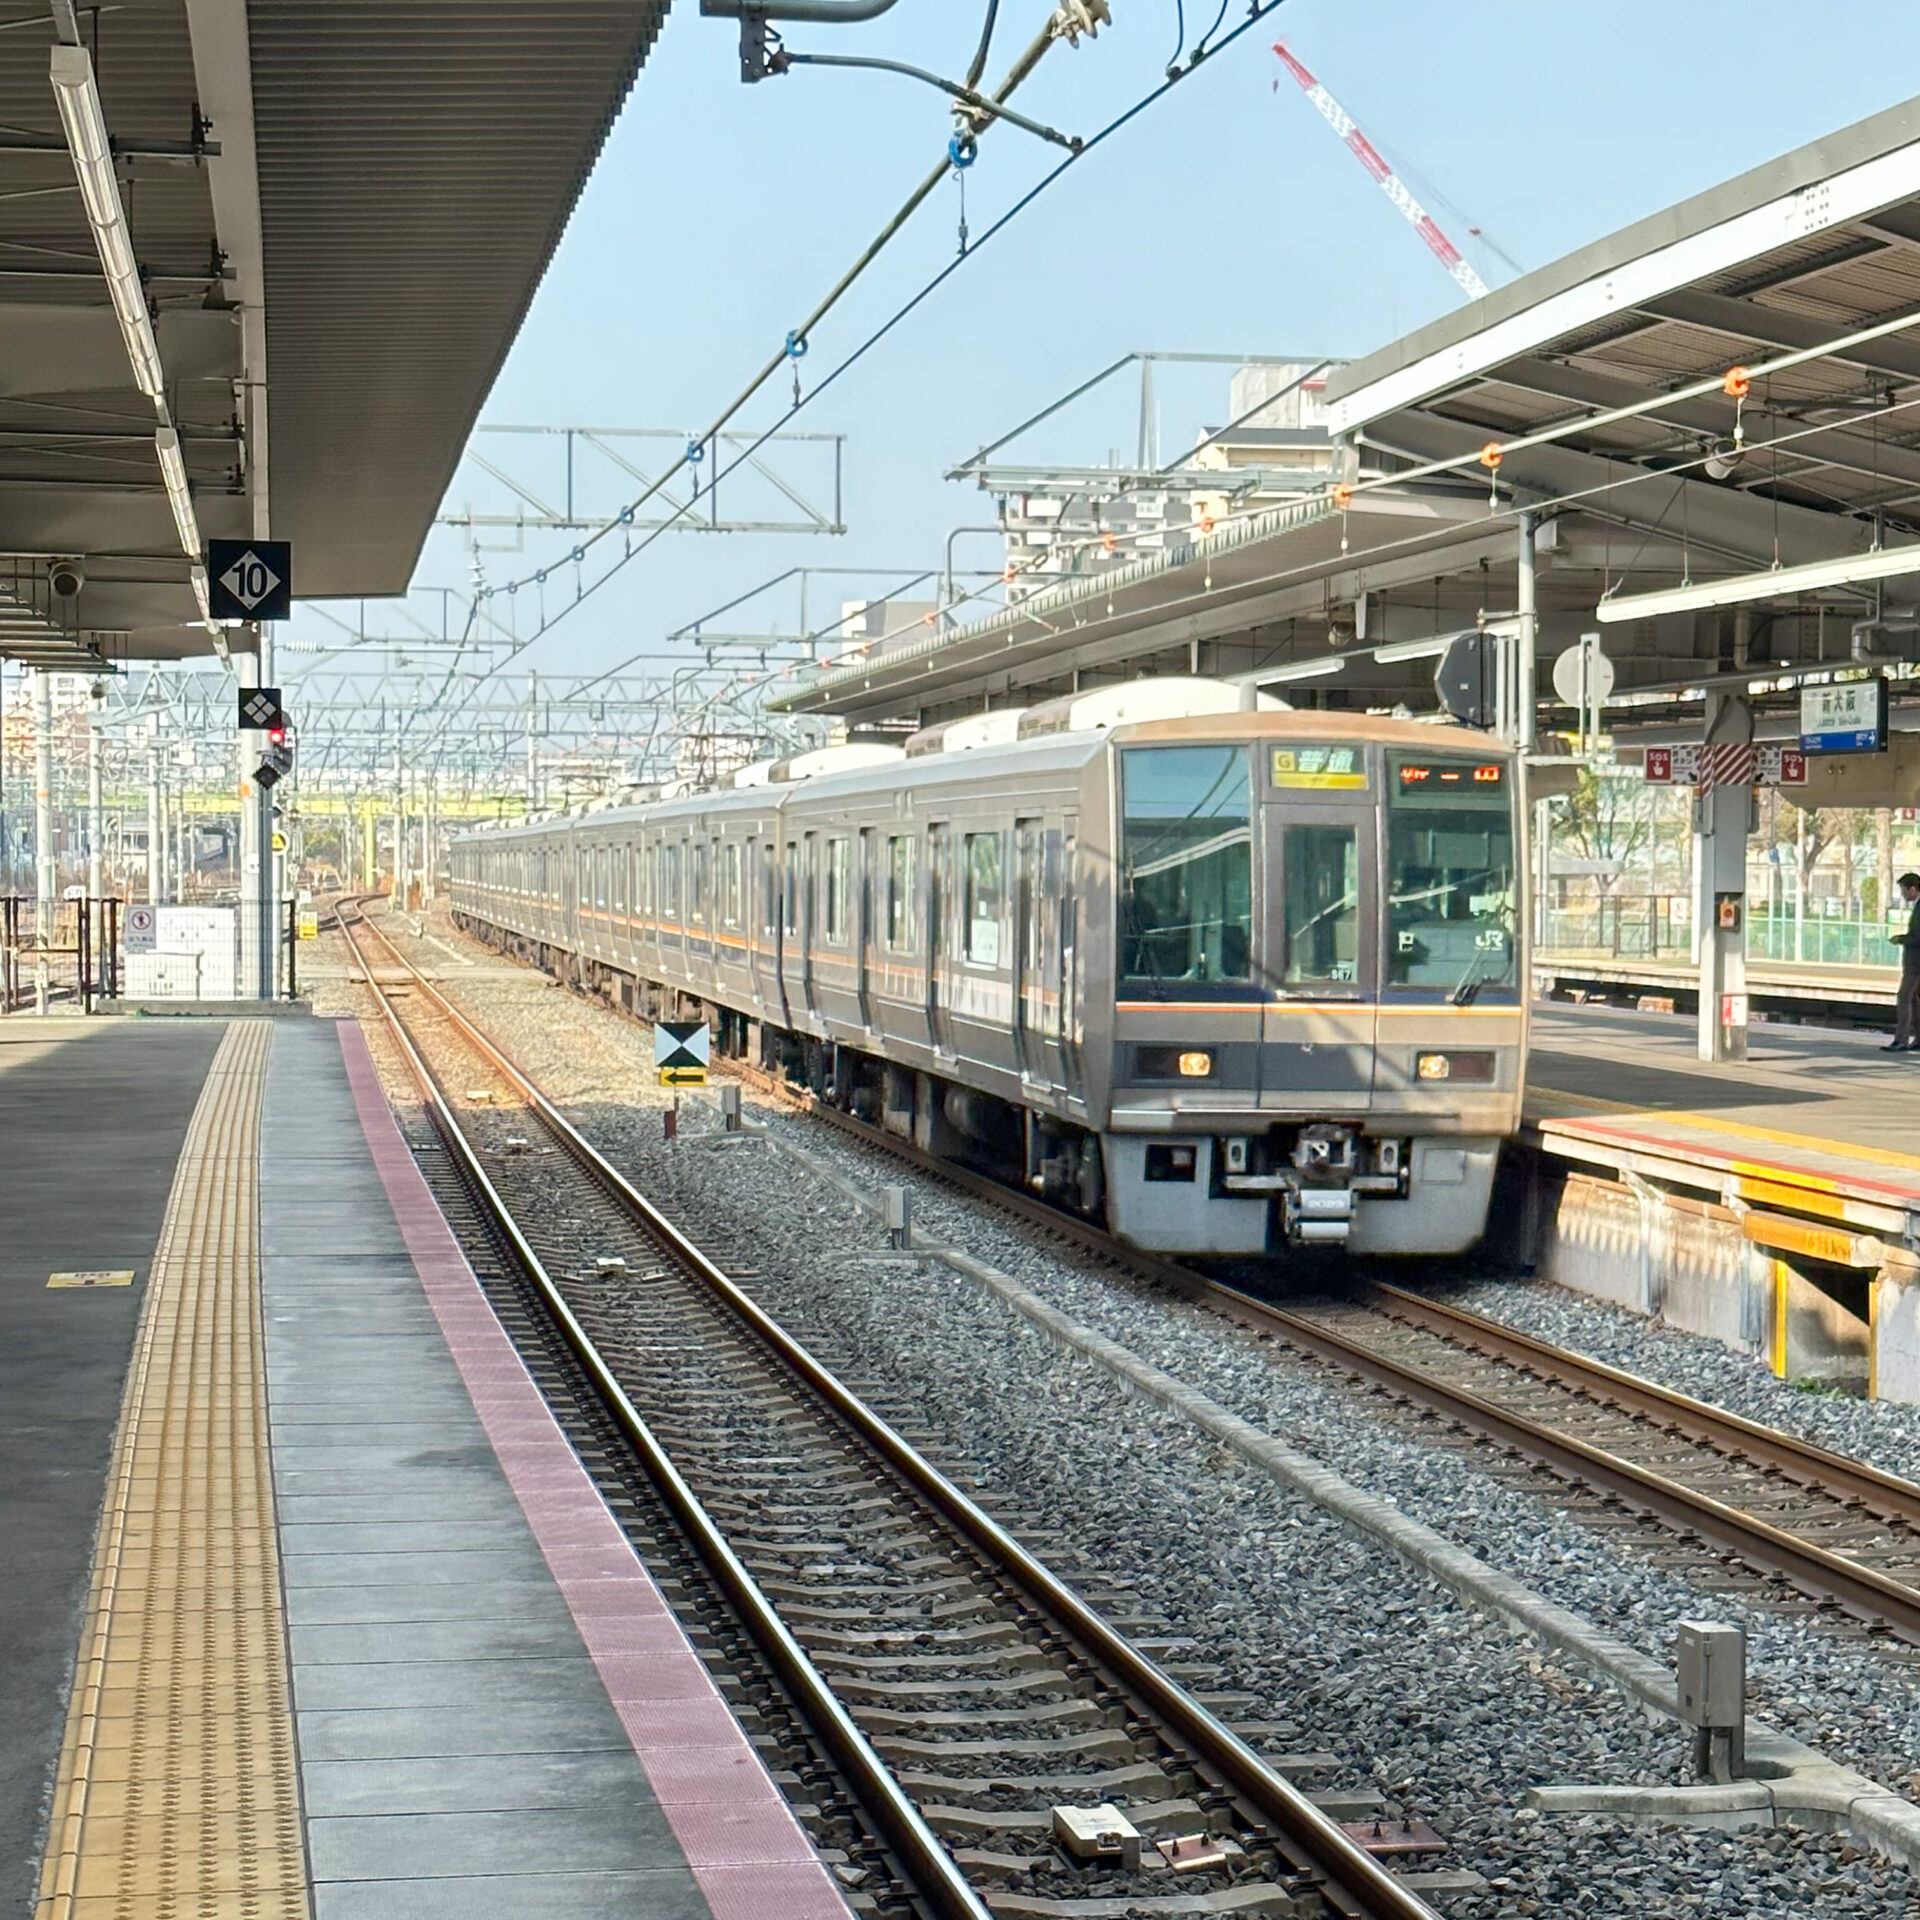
1049	753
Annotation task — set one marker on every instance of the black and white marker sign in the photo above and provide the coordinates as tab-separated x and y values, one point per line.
681	1050
250	579
261	710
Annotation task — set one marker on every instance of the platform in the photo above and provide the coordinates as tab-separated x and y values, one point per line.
1814	1119
1772	1202
1790	987
362	1640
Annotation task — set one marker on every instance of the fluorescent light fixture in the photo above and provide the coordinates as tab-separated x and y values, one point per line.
173	470
86	130
1877	563
1299	670
197	575
1415	649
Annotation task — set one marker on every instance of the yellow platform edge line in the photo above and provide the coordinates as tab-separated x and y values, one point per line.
231	1842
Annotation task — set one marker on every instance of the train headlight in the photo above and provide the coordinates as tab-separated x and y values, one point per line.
1196	1066
1477	1066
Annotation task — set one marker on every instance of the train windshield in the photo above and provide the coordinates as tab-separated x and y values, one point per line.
1186	868
1451	915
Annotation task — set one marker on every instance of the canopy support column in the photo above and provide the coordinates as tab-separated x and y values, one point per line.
1723	820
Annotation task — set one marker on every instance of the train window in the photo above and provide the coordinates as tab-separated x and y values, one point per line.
730	901
902	858
985	896
839	890
600	878
643	887
792	921
697	882
769	891
1450	877
670	884
621	856
1320	868
1186	860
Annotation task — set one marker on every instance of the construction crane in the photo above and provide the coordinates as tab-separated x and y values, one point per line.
1363	149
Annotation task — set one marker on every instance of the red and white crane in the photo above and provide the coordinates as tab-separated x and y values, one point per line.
1363	149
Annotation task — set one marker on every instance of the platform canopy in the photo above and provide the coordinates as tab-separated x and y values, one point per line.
1728	386
332	217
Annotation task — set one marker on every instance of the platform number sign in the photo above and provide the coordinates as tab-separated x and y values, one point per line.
681	1050
261	710
250	579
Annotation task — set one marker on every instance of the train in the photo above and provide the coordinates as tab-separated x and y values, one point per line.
1233	980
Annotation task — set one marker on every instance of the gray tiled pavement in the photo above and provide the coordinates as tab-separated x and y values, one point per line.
460	1758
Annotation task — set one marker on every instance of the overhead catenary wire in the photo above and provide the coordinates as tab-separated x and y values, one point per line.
799	338
1257	12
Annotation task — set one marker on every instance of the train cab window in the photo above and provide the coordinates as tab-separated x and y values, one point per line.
1320	877
730	901
1186	866
985	895
902	851
1450	877
839	890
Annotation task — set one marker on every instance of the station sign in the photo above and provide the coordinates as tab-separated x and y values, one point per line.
249	579
1850	717
682	1050
1774	765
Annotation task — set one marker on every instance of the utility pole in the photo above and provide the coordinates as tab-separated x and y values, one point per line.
533	752
155	838
96	818
46	887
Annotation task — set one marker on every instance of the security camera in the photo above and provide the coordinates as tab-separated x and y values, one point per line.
66	578
1724	458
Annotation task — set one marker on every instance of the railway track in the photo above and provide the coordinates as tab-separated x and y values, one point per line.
964	1692
1837	1532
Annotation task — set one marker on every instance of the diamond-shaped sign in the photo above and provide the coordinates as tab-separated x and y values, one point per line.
250	579
260	709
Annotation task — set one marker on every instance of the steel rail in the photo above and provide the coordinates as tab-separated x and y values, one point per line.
935	1873
1347	1871
1874	1598
1802	1461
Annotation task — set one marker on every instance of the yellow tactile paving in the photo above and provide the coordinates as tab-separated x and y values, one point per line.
178	1797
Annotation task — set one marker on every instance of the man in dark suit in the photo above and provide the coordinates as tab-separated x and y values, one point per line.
1906	1008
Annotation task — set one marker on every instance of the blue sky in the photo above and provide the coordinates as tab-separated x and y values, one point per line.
1228	218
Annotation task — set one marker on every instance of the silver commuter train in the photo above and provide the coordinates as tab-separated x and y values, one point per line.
1232	981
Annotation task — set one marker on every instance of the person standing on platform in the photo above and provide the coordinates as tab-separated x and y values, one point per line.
1906	1007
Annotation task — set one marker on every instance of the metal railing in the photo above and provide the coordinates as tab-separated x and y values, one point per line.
71	956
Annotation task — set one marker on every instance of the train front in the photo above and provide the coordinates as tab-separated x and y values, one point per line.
1319	1017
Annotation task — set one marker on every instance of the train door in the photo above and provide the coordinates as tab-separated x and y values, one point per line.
1036	937
1068	953
860	923
809	920
1320	927
939	892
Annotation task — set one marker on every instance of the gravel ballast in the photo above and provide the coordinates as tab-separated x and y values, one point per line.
1343	1645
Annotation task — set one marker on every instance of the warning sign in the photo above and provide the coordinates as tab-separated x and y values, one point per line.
681	1051
139	929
